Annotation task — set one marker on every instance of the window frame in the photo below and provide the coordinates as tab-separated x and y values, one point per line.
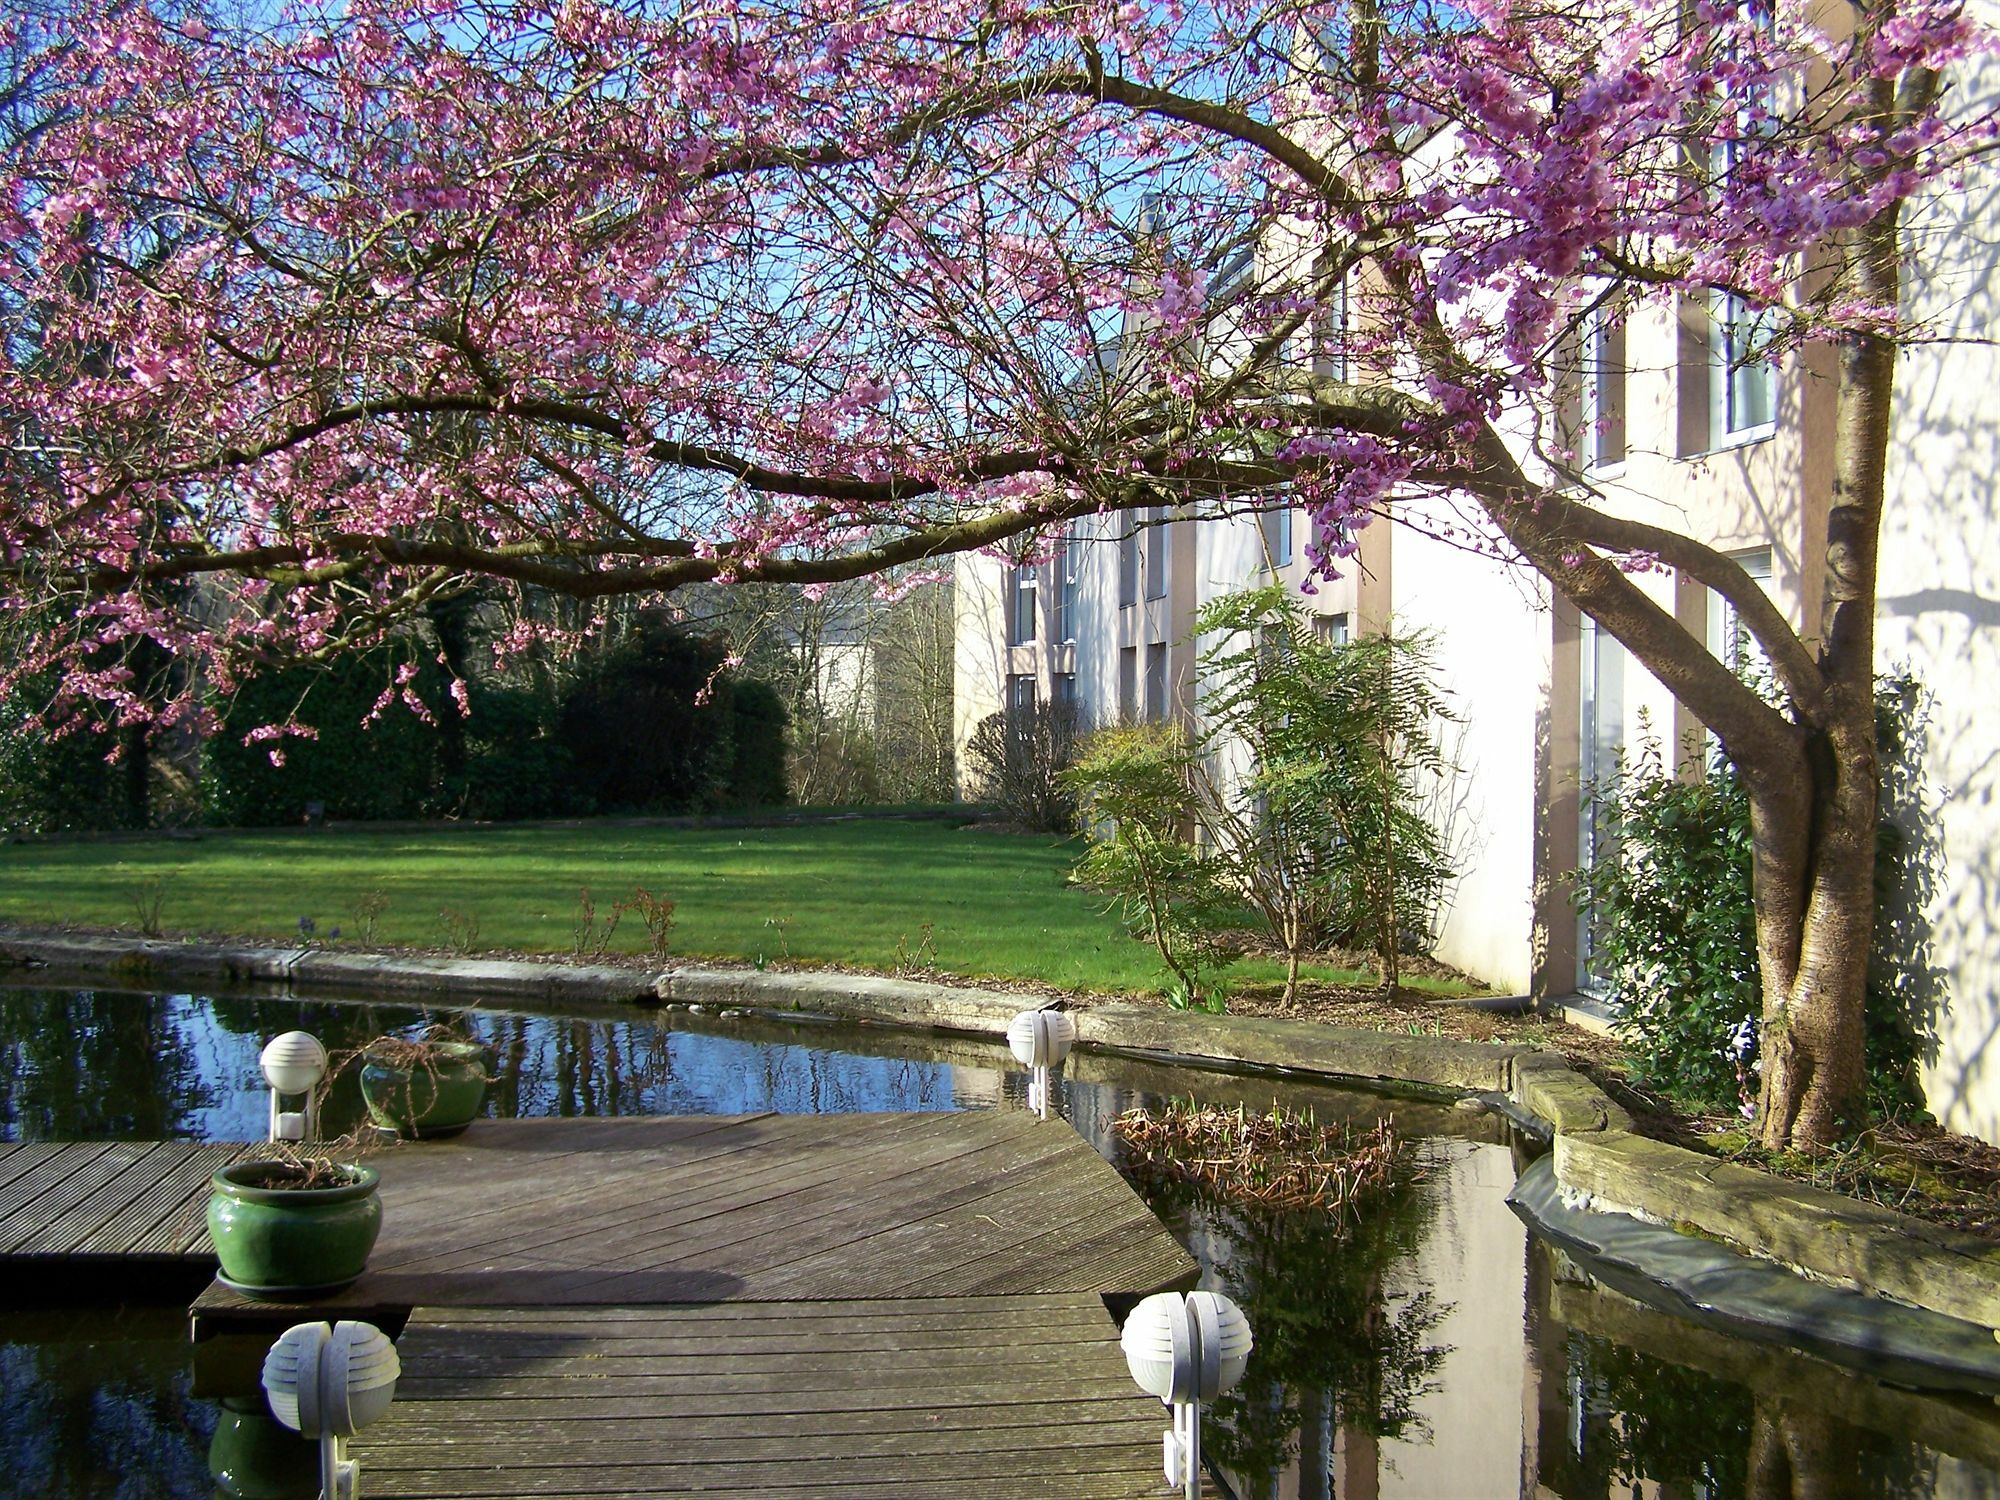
1021	592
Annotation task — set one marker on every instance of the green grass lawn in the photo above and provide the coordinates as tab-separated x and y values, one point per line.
854	893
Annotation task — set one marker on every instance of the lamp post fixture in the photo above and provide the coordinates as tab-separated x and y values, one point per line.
327	1383
1186	1350
293	1064
1040	1040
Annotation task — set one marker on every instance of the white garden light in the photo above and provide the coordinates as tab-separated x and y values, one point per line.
1185	1350
293	1064
327	1383
1040	1040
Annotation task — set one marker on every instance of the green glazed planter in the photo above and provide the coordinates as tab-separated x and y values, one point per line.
254	1457
289	1241
420	1101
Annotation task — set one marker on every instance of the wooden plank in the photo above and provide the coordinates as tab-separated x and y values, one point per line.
835	1400
61	1215
759	1208
171	1180
750	1172
172	1210
447	1422
47	1169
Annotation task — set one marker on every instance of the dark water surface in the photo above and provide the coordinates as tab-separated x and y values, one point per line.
1432	1351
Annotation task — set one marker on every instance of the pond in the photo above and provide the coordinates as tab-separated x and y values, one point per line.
1432	1349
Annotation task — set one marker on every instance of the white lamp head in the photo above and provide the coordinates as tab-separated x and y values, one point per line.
1226	1330
330	1382
1041	1038
291	1376
1157	1347
1182	1349
293	1063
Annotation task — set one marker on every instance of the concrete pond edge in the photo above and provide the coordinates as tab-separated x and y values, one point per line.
1600	1162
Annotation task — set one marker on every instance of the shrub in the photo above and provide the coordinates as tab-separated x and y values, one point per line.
654	727
359	768
1136	787
1674	923
517	764
1329	837
56	783
757	775
1017	759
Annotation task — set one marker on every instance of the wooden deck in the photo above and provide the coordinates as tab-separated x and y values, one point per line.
541	1213
75	1205
967	1396
838	1307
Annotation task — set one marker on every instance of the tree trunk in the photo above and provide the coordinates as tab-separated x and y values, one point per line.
1814	839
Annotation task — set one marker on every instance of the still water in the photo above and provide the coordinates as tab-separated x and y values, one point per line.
1432	1351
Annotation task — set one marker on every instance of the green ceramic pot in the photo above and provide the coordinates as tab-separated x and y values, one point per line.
424	1100
281	1241
255	1457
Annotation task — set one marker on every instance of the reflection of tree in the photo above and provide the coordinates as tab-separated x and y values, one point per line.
1634	1417
81	1066
1334	1350
102	1408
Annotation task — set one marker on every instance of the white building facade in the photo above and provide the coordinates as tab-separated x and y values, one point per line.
1673	427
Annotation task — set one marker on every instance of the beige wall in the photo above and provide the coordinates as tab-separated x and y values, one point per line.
1940	609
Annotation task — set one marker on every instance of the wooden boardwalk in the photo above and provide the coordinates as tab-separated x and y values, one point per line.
1023	1396
829	1306
83	1204
540	1213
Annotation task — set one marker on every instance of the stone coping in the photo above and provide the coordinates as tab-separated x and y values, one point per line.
1600	1162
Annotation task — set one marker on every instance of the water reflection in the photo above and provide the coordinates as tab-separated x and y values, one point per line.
82	1065
1342	1361
98	1403
1435	1353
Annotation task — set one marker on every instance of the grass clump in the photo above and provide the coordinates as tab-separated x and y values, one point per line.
1283	1160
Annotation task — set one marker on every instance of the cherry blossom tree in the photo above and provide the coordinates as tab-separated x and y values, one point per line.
312	324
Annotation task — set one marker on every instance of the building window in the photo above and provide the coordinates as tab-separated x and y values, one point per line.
1330	630
1020	606
1067	571
1743	383
1156	554
1727	639
1156	681
1329	325
1128	683
1063	691
1128	561
1277	526
1020	695
1600	751
1603	390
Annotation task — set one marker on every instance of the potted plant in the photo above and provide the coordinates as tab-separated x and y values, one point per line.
294	1223
426	1086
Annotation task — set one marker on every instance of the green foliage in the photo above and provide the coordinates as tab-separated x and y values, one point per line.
651	726
1137	789
359	768
517	765
1018	760
1675	930
1330	836
757	775
55	783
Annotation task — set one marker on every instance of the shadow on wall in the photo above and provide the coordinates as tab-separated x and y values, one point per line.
1908	988
1940	611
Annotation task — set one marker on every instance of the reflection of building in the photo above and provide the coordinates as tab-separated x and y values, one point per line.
1670	416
